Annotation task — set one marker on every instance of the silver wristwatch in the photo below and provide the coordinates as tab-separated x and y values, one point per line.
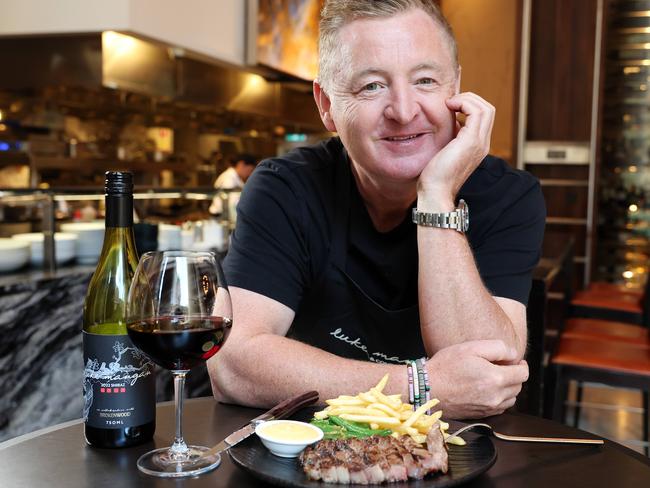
457	220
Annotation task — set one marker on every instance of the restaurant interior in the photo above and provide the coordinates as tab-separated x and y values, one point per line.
89	87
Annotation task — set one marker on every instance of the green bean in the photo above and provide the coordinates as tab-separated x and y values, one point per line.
337	428
329	428
323	424
358	429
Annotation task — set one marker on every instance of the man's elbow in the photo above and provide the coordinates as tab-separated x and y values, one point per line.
218	371
217	393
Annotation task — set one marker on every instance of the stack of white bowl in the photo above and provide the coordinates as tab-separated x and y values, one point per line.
65	246
169	237
188	238
90	237
14	254
212	235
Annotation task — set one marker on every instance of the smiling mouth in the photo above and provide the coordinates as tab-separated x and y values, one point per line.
402	138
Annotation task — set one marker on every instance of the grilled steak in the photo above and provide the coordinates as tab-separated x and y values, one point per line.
375	459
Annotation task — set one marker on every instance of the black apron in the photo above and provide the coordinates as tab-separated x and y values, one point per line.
339	317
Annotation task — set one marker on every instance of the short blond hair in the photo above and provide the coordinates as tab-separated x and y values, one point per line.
338	13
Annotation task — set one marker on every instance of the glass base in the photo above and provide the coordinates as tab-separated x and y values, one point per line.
165	464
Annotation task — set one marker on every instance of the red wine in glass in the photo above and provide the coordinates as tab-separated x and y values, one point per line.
180	343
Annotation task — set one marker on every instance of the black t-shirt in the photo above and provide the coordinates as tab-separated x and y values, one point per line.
282	240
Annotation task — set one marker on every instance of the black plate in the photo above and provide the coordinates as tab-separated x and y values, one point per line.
465	463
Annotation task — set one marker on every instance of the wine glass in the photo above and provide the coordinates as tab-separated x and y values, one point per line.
179	314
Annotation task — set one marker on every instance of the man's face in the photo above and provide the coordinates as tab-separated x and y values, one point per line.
388	101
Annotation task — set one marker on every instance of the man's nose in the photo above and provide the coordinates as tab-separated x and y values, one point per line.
402	106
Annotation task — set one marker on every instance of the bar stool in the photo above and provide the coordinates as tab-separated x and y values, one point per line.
615	363
612	352
609	301
606	330
613	288
613	314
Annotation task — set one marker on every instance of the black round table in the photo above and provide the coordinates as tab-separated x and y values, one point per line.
59	457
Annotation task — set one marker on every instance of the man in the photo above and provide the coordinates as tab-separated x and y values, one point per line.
332	283
232	178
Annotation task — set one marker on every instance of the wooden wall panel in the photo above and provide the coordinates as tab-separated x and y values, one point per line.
566	202
488	36
561	69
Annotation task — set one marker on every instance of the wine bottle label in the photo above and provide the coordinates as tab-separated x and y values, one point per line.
119	385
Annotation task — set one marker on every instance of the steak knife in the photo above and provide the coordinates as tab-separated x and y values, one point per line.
280	411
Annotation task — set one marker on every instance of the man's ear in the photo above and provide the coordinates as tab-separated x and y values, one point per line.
324	105
457	88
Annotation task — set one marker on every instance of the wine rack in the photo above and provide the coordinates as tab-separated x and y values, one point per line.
623	224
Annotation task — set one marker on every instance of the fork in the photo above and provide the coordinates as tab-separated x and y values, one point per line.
486	429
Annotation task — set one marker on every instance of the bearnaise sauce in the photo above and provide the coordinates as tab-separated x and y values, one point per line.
288	431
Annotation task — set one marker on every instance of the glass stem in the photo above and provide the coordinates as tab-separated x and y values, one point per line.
179	448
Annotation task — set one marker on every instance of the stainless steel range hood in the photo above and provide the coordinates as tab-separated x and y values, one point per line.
123	62
42	61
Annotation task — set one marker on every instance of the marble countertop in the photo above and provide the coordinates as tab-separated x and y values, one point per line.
25	278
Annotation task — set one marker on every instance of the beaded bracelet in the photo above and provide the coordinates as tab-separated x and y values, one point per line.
409	371
418	379
416	386
428	389
423	377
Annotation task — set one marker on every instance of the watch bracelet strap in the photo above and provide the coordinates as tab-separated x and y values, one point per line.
450	220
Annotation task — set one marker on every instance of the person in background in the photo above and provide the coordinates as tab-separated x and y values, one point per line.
353	257
233	178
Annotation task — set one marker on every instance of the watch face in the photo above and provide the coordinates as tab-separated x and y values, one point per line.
464	215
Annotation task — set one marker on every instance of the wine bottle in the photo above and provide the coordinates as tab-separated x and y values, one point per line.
119	383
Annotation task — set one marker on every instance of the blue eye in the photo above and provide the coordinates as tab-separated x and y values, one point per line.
374	86
426	81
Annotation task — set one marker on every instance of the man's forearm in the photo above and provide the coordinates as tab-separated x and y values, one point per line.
455	306
266	369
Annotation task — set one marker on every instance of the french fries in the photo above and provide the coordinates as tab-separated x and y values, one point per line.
382	411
